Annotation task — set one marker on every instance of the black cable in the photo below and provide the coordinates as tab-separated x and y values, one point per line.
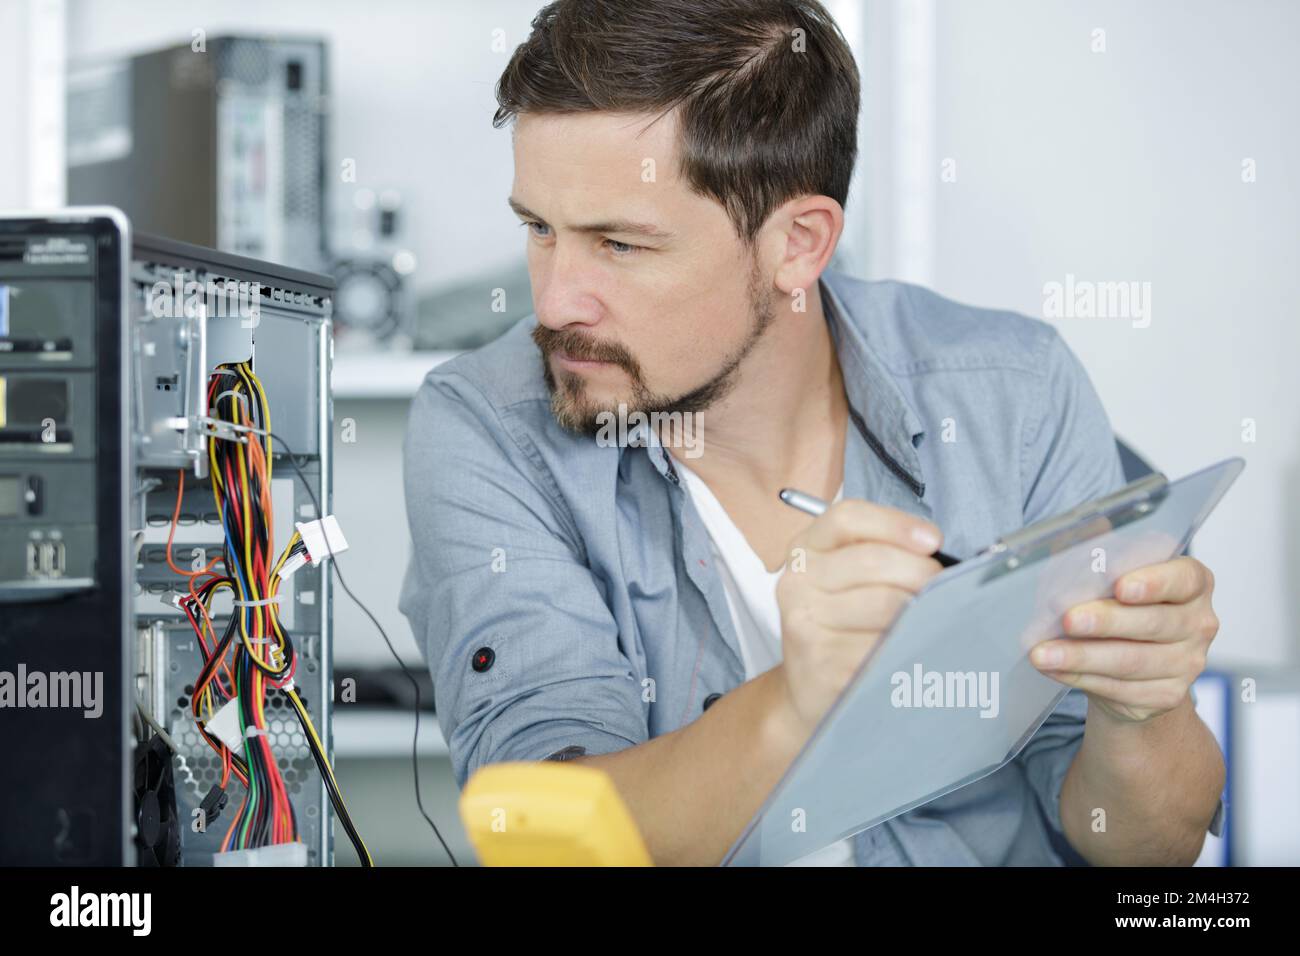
336	798
334	564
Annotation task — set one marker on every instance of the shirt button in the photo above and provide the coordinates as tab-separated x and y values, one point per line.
711	700
483	659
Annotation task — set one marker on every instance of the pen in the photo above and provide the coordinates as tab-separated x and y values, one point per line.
810	504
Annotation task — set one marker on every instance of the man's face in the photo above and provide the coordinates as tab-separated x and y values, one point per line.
644	294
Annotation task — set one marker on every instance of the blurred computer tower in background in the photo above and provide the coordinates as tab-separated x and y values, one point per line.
220	142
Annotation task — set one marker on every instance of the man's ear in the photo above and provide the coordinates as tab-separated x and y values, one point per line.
804	234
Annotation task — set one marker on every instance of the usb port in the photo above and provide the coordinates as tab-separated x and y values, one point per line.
33	559
51	557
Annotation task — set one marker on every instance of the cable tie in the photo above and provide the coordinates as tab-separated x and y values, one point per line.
218	425
274	599
233	394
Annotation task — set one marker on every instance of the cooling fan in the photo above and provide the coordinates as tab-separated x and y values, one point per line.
158	834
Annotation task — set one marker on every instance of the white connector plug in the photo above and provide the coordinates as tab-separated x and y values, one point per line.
321	538
224	725
277	854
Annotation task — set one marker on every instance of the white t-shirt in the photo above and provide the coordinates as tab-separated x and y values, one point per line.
751	596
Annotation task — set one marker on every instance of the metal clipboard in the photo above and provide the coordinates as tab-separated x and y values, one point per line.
948	695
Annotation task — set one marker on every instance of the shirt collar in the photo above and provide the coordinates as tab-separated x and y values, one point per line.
878	407
642	435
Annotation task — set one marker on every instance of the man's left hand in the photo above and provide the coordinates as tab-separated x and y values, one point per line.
1135	655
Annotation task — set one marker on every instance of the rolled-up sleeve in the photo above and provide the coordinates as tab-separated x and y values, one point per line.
1220	811
497	578
1069	456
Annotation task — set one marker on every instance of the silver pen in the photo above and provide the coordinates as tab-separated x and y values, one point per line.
812	505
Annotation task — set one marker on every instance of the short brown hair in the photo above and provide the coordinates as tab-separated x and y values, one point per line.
767	114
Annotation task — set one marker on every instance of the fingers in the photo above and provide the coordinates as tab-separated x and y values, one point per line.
1117	659
1109	618
1145	696
1170	582
1155	622
854	520
868	562
860	609
862	563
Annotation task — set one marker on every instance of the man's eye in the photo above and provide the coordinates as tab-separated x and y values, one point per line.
536	227
620	248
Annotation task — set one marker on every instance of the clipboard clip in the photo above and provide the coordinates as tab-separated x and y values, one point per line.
1057	533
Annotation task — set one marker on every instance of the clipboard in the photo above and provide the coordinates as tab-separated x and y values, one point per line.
948	694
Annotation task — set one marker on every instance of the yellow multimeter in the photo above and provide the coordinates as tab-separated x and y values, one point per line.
549	814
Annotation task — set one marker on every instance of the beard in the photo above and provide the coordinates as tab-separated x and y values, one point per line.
575	410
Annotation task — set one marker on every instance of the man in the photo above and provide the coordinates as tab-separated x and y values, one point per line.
624	597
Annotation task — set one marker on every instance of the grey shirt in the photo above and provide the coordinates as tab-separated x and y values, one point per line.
583	574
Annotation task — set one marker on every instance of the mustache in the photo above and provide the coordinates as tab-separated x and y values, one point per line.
584	349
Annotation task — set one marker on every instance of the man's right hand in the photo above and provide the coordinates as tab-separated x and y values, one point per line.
861	563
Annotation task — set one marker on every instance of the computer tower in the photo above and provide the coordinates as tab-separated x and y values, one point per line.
110	343
219	142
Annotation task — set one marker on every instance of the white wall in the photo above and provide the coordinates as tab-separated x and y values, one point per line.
32	40
13	163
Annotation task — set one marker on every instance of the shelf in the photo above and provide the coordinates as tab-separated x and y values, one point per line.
382	374
372	732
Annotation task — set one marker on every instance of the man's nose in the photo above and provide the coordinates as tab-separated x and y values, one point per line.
564	291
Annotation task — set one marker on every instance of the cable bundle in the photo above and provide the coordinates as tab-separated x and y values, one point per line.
240	464
240	470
